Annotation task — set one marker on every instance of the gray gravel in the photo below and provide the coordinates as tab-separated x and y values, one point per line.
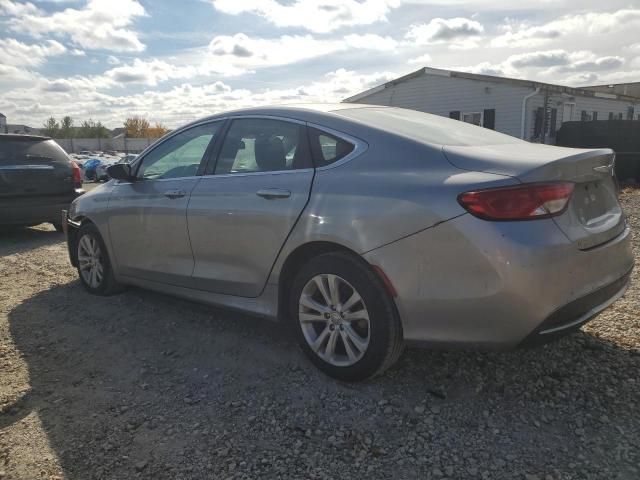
144	386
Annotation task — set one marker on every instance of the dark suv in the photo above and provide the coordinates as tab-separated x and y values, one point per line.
37	180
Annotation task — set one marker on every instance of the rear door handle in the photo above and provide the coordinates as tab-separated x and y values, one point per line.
175	193
272	193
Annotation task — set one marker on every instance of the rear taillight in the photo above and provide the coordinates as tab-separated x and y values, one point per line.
523	202
76	174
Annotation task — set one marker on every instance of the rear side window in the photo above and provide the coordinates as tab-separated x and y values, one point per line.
328	148
29	151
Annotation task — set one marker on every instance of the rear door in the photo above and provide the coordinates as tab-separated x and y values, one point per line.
241	213
33	167
148	216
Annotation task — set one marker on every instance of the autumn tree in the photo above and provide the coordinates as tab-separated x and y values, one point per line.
159	130
51	127
136	127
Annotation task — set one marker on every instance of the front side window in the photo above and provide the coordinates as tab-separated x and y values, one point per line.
328	148
263	145
179	156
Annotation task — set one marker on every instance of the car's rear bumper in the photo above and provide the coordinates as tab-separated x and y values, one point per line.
573	315
472	283
36	209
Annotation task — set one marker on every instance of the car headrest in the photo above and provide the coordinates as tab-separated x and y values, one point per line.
270	154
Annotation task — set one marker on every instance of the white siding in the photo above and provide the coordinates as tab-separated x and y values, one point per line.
442	94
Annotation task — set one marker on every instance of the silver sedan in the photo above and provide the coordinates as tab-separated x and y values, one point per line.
364	229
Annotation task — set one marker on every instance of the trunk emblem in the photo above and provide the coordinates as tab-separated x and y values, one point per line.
604	169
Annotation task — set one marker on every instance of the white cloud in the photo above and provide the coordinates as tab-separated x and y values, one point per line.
314	15
76	52
11	8
458	32
592	23
16	53
234	54
549	58
370	41
147	72
100	25
111	60
422	59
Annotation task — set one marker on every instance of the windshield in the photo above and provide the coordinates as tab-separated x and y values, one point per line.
425	127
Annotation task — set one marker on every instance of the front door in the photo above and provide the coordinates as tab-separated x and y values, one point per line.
242	212
148	216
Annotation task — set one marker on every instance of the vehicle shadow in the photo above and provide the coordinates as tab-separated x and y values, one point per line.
21	239
144	385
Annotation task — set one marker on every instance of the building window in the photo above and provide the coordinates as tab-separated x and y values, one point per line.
594	116
584	116
610	115
620	116
489	118
472	117
455	114
630	112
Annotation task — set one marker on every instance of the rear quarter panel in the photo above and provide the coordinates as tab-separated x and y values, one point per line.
395	188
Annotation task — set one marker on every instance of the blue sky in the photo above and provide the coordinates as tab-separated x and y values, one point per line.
174	61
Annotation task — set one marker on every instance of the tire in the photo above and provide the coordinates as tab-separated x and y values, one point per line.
361	348
88	238
57	226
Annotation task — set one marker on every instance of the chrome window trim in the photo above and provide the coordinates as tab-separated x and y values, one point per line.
360	146
147	181
247	174
26	167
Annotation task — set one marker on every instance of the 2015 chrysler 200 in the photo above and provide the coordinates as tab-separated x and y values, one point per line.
364	228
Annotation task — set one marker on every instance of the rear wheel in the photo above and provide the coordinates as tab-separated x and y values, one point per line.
94	267
344	319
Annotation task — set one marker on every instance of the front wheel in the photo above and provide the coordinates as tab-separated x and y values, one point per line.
344	319
94	267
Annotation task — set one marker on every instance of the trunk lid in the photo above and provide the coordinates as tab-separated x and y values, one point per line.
593	216
33	166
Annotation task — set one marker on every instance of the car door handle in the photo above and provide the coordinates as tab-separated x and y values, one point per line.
175	193
272	193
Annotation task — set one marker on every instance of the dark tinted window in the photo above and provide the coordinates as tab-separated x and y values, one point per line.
263	145
179	156
18	151
328	148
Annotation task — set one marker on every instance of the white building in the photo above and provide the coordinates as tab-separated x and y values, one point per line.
515	107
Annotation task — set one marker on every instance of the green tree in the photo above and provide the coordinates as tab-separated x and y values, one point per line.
91	129
51	128
66	127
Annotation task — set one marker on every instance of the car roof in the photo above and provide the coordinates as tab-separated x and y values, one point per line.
302	111
22	136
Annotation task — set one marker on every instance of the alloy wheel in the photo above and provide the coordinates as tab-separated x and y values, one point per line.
90	261
334	320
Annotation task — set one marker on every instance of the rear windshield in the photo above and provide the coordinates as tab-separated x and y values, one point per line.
30	151
425	127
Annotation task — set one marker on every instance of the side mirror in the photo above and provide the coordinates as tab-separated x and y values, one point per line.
120	171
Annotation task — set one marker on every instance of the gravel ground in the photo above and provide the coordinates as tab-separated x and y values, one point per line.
144	386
